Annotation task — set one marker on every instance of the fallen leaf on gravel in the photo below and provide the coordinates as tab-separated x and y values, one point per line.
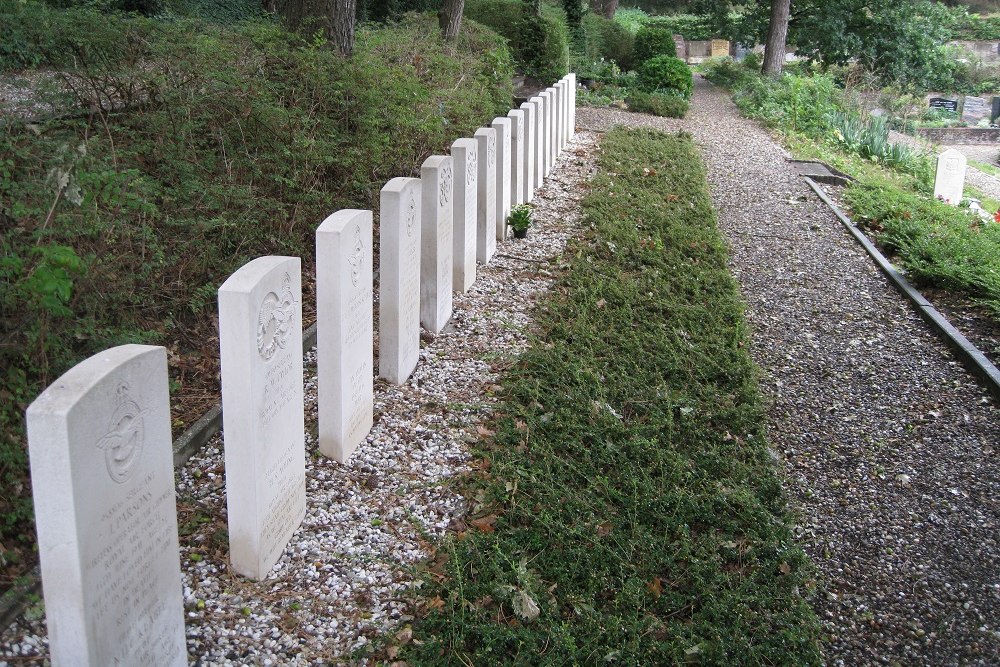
404	635
485	524
484	432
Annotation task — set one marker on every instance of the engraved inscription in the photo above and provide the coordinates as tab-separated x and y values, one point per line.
122	444
445	194
411	213
356	326
283	481
470	168
275	319
357	257
279	389
491	150
359	405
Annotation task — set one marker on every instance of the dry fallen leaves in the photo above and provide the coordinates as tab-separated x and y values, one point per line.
485	524
784	568
655	587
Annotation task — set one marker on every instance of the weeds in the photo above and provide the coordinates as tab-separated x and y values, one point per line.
630	513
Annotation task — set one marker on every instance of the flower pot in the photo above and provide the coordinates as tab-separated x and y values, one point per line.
521	233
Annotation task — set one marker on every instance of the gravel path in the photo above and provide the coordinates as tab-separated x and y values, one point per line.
889	446
989	185
347	575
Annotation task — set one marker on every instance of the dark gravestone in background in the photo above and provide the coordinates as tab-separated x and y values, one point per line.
943	103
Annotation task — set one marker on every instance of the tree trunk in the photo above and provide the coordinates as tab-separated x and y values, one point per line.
605	8
340	31
450	18
269	6
777	35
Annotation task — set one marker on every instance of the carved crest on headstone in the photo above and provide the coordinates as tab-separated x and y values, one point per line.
357	256
470	168
122	444
275	319
411	213
445	195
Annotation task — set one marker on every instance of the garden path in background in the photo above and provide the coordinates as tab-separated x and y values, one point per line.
888	444
988	153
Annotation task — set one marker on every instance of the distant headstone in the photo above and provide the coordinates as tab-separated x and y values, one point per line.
436	231
995	110
546	133
102	476
943	103
949	180
572	106
344	336
538	144
530	129
486	200
399	279
720	47
560	95
974	109
464	154
503	169
680	50
260	340
517	176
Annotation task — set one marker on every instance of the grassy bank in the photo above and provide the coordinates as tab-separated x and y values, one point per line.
631	513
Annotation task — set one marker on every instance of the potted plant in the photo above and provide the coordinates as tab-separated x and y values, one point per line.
519	220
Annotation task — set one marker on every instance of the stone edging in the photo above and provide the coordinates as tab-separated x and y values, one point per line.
973	359
15	601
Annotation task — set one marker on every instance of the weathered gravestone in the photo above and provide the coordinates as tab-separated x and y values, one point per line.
437	190
517	180
260	338
546	132
464	155
949	180
974	109
529	127
344	356
943	103
399	279
103	482
486	200
538	141
503	172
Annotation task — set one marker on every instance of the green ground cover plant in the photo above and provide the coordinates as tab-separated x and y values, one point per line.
206	148
658	104
628	511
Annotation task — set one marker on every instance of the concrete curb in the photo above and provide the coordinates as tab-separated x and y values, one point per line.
970	356
20	596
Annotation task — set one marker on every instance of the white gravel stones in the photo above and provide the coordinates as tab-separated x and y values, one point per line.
863	397
346	577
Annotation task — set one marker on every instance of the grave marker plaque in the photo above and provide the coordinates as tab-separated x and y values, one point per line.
399	279
344	358
943	103
437	193
103	481
949	180
260	340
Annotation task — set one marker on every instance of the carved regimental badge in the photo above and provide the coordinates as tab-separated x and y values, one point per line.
445	195
122	445
470	168
275	319
411	214
357	257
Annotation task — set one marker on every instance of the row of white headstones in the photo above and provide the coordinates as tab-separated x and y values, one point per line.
99	437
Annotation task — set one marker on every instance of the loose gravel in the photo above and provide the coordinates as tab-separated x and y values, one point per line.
888	444
348	574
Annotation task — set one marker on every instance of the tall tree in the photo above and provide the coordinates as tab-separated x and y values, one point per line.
340	29
450	18
777	36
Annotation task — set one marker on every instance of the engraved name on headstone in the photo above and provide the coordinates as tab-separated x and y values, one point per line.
437	193
260	339
399	279
464	154
103	481
486	200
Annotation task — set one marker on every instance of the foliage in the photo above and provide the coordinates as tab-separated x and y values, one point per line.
728	73
519	217
666	73
869	138
575	11
631	19
938	244
968	26
226	12
658	104
606	40
791	102
146	7
224	145
539	44
689	26
631	513
650	43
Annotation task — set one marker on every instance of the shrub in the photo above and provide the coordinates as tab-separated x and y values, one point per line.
539	44
725	72
608	40
658	104
688	26
666	73
652	42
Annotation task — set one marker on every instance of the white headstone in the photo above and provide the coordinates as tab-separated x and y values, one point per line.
530	127
538	141
561	112
548	158
486	208
464	155
437	192
102	476
260	338
344	356
949	181
503	198
517	181
572	106
399	279
557	131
